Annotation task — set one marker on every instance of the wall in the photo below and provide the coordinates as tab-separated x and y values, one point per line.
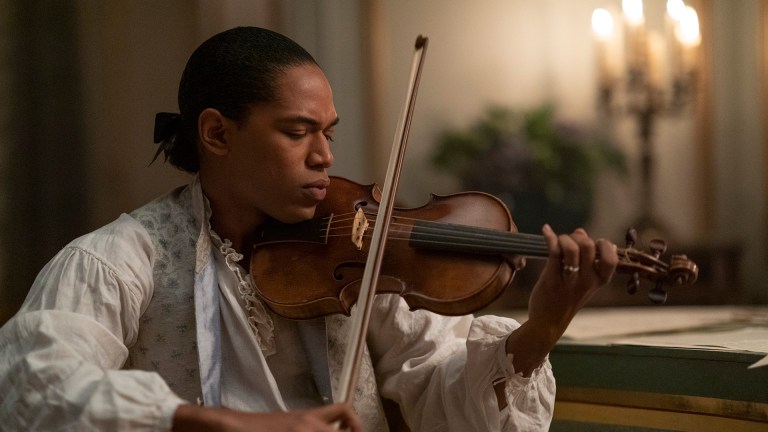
523	53
133	54
738	138
5	38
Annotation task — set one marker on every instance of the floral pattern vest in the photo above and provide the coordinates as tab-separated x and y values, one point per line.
167	342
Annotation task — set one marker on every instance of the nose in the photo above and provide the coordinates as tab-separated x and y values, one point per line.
320	154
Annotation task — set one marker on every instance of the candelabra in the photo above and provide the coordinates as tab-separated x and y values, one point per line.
648	72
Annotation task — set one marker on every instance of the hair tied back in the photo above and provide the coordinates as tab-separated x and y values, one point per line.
167	126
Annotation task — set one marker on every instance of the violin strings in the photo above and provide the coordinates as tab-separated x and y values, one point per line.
462	238
499	246
450	230
447	235
457	237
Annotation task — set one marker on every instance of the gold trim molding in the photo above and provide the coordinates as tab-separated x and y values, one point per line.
659	410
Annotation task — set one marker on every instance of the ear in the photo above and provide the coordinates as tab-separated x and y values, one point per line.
212	126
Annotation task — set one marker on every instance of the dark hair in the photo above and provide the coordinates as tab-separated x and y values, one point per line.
229	72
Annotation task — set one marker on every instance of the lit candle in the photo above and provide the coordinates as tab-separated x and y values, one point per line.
602	26
635	34
657	72
633	11
675	10
689	36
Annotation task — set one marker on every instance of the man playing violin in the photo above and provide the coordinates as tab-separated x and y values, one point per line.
152	322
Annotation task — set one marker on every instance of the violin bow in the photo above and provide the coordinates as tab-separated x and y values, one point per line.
361	315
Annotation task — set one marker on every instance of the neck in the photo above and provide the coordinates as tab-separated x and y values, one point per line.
239	234
231	220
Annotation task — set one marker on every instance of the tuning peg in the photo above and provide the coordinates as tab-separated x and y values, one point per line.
657	295
630	238
633	284
657	247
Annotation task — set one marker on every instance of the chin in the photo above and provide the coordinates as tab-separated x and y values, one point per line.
298	216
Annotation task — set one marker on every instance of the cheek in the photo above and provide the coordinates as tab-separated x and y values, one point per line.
287	160
255	162
274	175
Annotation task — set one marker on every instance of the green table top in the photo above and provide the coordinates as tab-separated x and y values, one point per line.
668	370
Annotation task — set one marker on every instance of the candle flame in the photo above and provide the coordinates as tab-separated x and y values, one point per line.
676	9
688	31
602	23
633	10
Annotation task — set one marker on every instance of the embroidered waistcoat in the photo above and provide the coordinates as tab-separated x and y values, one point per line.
167	339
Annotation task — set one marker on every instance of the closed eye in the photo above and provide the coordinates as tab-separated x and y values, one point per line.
306	126
296	134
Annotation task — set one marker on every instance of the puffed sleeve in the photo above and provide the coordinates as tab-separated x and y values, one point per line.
442	371
62	353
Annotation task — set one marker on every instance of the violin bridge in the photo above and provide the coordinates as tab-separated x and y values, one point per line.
359	226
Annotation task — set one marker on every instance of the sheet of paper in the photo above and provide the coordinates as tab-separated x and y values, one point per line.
752	339
595	323
733	328
760	363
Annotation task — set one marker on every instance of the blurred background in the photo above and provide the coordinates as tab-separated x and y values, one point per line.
646	117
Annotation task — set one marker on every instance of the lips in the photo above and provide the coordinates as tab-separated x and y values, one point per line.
317	189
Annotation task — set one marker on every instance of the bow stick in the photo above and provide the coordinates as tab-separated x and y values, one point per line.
361	315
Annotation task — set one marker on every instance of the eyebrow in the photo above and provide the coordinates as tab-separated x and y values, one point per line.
307	120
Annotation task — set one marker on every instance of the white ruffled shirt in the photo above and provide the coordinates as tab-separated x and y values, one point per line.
61	355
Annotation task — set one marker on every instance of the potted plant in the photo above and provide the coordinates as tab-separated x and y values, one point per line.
543	169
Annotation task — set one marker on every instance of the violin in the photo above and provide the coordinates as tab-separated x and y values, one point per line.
454	255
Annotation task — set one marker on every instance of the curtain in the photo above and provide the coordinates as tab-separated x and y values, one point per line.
42	178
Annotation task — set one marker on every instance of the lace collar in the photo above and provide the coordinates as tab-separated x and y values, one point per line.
259	319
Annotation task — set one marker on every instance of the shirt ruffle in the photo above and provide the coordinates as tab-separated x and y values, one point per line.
258	318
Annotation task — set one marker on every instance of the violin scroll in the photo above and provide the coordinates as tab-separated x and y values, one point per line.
679	271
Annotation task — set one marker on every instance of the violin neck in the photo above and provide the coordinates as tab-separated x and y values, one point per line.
469	239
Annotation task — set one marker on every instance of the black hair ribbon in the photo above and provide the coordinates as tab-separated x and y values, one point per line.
167	126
